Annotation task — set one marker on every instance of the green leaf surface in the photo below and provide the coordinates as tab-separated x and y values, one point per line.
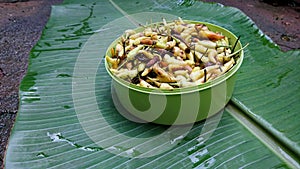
50	133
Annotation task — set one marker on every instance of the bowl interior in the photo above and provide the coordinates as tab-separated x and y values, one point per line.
232	39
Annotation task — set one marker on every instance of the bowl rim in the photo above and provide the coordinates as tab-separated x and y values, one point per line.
185	90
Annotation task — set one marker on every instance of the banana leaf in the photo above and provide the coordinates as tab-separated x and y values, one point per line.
67	118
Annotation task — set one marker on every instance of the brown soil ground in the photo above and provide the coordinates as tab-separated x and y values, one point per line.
21	24
277	19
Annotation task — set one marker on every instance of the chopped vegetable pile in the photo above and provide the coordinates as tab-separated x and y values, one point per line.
171	55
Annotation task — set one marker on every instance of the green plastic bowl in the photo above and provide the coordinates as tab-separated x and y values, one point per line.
181	105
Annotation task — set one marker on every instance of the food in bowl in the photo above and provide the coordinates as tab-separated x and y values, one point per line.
172	55
158	95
